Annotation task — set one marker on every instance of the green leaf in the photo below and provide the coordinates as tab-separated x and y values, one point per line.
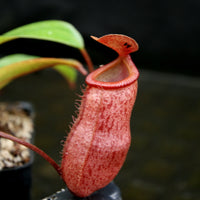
10	59
69	73
26	64
51	30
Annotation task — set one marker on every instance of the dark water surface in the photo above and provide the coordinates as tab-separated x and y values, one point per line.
164	159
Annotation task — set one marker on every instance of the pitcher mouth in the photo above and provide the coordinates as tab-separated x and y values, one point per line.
119	73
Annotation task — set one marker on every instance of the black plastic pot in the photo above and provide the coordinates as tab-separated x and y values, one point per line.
15	183
110	192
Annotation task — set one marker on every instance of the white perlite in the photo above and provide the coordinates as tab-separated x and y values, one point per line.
15	121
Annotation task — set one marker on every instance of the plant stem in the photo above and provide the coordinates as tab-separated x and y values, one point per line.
87	59
33	148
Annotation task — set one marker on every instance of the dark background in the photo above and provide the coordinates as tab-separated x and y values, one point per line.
167	31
